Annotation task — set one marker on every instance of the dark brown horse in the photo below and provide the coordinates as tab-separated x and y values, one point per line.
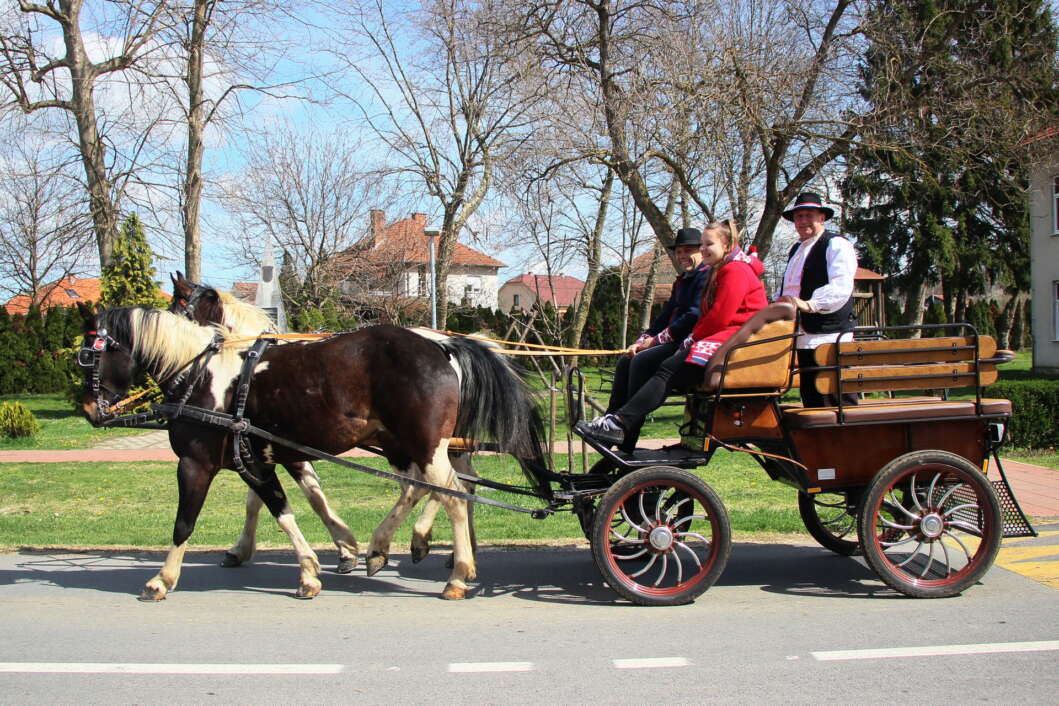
381	386
206	306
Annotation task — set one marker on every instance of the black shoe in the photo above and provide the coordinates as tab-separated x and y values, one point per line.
607	428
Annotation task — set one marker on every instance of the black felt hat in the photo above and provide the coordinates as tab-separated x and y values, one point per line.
687	236
808	199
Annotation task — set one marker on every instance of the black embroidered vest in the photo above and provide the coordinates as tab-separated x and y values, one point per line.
814	276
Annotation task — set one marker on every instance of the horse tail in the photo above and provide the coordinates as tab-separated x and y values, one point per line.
497	405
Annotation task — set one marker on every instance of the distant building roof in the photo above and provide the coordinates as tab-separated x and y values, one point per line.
405	241
863	273
1042	135
560	290
65	292
245	291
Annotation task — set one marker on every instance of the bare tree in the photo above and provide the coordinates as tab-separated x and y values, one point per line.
45	229
449	100
37	79
310	194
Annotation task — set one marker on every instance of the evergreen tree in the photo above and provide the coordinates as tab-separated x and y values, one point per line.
129	279
964	80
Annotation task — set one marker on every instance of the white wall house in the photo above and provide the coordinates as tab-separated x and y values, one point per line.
1044	251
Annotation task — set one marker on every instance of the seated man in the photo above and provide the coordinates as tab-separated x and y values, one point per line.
670	327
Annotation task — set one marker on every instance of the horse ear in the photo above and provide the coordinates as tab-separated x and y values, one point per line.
175	277
86	312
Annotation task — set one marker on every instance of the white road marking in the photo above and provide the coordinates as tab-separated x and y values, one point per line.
938	650
651	663
475	667
134	668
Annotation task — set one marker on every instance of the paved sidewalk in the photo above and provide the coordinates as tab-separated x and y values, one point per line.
1036	487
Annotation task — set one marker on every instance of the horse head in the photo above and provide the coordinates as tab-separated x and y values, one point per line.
198	302
107	363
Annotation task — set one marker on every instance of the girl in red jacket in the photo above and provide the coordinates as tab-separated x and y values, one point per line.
732	294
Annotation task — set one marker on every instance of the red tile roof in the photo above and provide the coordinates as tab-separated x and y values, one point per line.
246	291
65	292
561	291
863	273
405	242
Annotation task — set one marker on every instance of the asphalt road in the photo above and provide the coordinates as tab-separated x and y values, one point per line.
785	624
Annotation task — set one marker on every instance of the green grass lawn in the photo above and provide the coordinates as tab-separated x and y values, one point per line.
133	504
62	426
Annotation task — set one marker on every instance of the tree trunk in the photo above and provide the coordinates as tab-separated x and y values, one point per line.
93	153
192	196
594	251
913	315
648	298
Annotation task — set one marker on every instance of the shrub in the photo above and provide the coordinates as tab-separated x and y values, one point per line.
17	421
1035	407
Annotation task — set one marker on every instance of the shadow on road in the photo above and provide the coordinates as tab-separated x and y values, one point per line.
562	575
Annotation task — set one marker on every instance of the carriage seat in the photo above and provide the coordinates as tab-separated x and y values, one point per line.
892	411
758	366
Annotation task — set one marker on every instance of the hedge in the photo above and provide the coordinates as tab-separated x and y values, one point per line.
1035	411
35	350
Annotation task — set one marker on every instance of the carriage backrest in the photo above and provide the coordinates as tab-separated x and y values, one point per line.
909	364
761	364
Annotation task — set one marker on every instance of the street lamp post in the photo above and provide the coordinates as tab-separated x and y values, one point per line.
431	234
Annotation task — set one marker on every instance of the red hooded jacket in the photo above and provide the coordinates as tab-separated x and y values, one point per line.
738	295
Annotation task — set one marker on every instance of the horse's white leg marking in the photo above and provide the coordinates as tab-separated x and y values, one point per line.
308	564
309	482
379	549
440	472
421	531
166	580
243	549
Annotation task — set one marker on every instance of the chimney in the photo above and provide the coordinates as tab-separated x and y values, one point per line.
376	226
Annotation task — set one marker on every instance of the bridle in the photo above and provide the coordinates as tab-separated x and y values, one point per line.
90	357
187	306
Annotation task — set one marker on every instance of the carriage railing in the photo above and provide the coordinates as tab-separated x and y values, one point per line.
973	377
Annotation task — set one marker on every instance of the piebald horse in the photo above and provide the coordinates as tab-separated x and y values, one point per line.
207	306
382	386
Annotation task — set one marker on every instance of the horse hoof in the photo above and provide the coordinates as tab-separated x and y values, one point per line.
375	563
346	566
152	594
308	590
231	561
419	553
454	593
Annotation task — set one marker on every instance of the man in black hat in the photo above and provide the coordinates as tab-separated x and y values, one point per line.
672	325
819	281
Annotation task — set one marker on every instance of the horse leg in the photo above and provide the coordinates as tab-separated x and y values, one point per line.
421	532
243	549
379	549
305	475
440	472
271	492
193	482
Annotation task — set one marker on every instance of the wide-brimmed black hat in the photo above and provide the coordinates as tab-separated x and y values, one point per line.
687	236
808	199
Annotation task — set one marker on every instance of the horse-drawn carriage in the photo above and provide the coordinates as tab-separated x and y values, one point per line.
909	474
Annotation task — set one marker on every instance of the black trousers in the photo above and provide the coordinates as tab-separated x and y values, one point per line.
807	385
673	374
630	374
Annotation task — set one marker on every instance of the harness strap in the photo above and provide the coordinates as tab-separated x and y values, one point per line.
226	421
242	453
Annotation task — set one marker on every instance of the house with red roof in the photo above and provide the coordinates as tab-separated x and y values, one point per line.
67	291
394	261
524	291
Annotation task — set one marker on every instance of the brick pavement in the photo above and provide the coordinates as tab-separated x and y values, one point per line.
1036	487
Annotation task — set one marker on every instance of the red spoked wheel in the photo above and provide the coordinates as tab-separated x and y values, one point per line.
660	536
930	524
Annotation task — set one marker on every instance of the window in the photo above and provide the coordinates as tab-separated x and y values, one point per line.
515	301
1055	206
72	293
1055	311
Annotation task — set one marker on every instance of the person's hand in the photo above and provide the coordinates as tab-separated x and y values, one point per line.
799	304
632	350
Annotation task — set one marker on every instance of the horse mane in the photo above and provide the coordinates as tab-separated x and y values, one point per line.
162	341
242	318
